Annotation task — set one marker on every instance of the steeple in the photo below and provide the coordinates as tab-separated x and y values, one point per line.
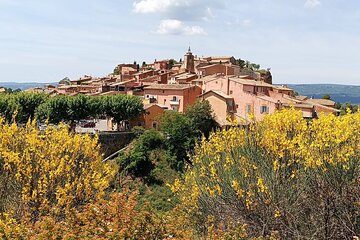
189	64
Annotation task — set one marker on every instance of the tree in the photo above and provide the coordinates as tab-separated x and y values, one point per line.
201	117
116	71
122	107
138	162
180	137
55	110
346	107
241	63
65	81
79	107
27	103
21	105
171	63
326	96
8	107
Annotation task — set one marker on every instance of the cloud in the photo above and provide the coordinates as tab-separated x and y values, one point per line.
176	27
312	3
154	6
179	9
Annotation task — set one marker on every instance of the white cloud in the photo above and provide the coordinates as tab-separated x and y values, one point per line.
312	3
176	27
179	9
154	6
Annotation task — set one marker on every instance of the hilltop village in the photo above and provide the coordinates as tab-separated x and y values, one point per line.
235	91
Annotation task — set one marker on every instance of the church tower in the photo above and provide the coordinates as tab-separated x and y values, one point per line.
189	63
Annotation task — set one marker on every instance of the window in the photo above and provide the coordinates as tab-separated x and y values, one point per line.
175	108
231	92
174	99
248	108
154	125
264	109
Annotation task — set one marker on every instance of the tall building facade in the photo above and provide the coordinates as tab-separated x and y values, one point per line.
189	62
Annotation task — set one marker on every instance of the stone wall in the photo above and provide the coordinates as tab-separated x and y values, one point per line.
114	141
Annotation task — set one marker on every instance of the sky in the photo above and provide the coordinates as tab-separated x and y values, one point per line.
302	41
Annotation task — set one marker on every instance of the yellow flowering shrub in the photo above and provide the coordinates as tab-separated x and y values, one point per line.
284	174
49	171
115	218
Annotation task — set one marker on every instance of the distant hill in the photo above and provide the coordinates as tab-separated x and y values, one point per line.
339	93
23	86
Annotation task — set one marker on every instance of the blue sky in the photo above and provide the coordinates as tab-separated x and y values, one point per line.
302	41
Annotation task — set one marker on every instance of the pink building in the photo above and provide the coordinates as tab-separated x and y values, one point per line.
255	98
174	96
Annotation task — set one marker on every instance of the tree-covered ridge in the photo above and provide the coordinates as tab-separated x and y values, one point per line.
338	93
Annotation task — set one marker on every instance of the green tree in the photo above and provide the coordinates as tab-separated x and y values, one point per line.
79	107
180	137
27	103
138	162
122	107
345	107
55	110
22	104
65	81
241	63
201	117
326	96
171	63
7	106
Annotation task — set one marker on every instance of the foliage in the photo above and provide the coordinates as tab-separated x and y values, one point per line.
326	96
71	109
20	105
80	107
138	161
281	175
65	81
8	106
201	117
172	62
180	137
55	110
49	172
346	107
10	90
116	218
122	107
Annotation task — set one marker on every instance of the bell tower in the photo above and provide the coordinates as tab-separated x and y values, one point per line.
189	62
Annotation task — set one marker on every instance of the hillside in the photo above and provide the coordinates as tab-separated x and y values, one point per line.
339	93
